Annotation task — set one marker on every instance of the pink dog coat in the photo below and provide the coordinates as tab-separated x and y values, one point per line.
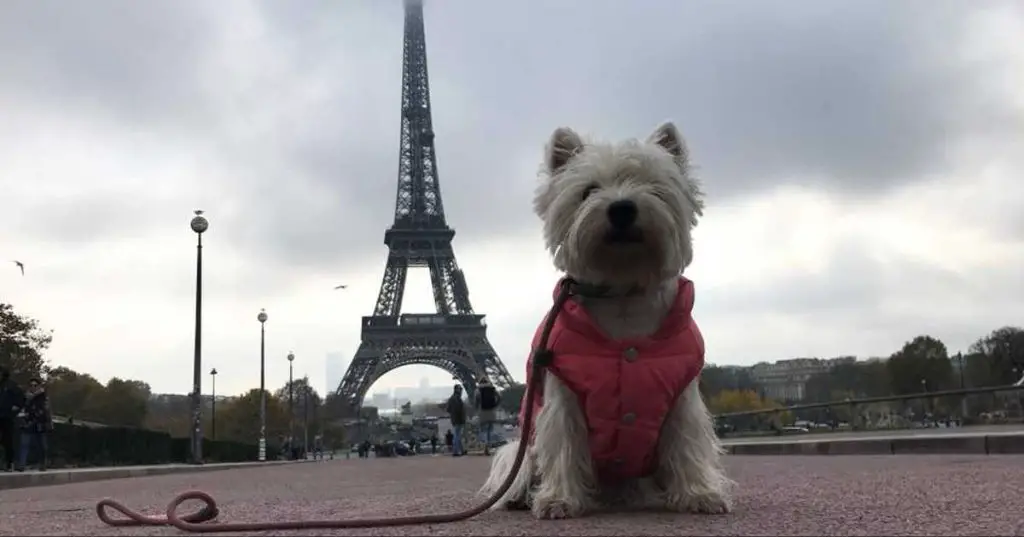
625	388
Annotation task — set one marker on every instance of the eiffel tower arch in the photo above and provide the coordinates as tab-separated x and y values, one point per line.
454	338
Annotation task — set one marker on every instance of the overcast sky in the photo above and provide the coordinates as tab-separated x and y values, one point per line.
864	164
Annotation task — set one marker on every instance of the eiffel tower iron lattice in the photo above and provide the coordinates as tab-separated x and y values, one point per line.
454	338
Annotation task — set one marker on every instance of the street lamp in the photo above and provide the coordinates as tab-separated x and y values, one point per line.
199	224
262	318
926	406
305	416
213	403
963	398
1020	403
291	412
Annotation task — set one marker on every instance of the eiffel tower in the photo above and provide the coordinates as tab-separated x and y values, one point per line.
454	338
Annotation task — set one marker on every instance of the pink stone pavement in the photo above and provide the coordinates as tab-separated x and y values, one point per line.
788	495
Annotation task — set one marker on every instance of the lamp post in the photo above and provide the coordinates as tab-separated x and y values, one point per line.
305	416
963	398
926	406
199	224
262	318
291	412
213	403
1020	402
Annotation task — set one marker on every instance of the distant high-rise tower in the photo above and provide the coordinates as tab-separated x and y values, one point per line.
334	369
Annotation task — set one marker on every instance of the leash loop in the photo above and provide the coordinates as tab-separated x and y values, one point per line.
206	513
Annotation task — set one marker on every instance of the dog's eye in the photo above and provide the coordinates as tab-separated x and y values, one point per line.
590	190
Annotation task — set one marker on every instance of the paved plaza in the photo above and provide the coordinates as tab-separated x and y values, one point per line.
787	495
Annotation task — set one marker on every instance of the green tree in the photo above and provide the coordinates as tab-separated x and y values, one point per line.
849	380
922	364
73	394
999	357
334	437
334	408
239	418
978	371
512	398
22	344
122	403
300	406
729	401
874	378
715	379
172	414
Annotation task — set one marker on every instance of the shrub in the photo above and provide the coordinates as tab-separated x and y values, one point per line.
80	446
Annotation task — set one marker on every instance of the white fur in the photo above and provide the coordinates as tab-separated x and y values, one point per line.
580	181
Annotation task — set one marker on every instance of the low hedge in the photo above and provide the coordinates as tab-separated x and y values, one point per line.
78	446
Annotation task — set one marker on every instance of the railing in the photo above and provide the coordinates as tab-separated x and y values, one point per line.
870	400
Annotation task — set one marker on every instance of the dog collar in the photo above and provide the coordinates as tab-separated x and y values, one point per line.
592	290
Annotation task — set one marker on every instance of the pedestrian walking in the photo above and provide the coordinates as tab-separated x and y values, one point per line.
318	447
487	401
12	399
36	425
456	409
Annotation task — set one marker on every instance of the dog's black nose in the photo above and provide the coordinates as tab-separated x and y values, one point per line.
622	214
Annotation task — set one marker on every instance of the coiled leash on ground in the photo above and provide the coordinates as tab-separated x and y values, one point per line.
199	521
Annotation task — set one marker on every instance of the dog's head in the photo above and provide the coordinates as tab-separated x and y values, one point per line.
619	214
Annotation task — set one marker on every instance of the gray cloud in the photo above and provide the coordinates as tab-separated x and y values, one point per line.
871	300
130	60
855	98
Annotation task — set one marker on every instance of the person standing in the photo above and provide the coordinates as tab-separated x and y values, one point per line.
487	401
36	425
11	401
457	414
318	447
286	447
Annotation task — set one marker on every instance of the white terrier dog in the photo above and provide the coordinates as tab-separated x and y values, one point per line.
621	420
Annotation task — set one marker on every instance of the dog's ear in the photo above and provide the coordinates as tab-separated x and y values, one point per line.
667	136
564	145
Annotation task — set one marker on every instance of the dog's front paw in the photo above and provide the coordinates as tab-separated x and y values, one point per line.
710	503
556	508
517	504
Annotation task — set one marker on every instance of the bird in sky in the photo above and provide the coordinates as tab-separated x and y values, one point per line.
340	287
20	266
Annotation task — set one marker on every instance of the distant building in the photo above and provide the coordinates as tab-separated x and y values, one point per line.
786	380
421	393
382	400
